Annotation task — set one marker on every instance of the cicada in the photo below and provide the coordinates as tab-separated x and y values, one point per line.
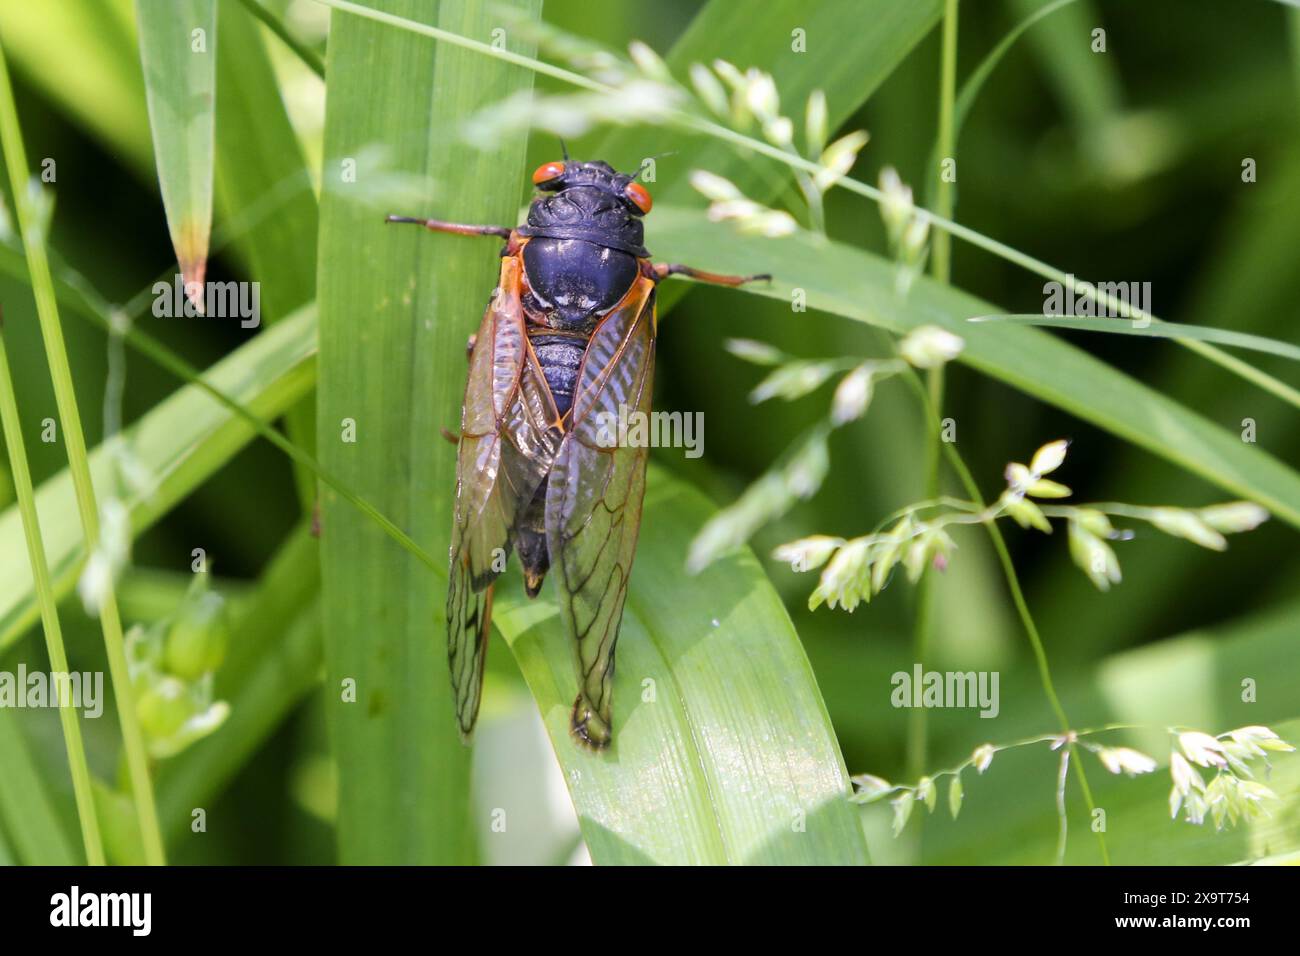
568	337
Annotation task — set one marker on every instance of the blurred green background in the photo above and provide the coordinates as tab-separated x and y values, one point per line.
1122	166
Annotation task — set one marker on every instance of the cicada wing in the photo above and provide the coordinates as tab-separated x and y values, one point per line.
510	433
593	502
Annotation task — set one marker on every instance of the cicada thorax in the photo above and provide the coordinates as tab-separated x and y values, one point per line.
571	285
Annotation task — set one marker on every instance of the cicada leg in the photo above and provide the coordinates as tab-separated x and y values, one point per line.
662	270
456	228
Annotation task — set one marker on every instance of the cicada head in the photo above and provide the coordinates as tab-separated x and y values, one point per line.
590	201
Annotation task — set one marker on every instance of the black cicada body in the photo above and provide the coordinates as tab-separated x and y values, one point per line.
568	338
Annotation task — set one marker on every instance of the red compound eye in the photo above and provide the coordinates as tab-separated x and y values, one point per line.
640	198
547	172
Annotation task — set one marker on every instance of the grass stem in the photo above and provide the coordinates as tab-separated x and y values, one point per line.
941	248
66	400
302	51
967	480
162	356
22	477
923	623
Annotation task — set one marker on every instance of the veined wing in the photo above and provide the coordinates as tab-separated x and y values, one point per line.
510	432
593	502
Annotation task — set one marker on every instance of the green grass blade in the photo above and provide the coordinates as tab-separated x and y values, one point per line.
260	162
719	726
79	467
860	285
178	52
31	818
278	27
1156	330
22	478
181	442
396	307
6	852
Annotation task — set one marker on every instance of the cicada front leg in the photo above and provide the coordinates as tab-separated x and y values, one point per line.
662	270
455	228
